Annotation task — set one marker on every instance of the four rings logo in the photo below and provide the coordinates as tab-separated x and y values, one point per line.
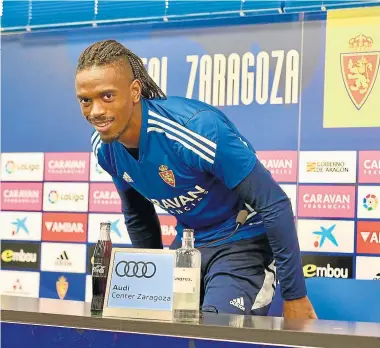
135	269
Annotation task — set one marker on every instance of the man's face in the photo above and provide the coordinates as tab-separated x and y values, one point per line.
107	95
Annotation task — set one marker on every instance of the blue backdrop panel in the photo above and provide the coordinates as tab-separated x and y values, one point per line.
41	68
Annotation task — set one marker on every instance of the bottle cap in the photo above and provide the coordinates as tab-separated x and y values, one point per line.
105	226
188	233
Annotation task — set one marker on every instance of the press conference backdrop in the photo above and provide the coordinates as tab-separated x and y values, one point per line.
306	94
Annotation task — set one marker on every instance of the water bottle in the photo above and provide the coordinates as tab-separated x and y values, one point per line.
187	280
102	257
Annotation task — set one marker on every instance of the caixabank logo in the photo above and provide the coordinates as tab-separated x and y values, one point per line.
20	255
326	266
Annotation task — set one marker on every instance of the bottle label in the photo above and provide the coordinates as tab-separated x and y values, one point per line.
186	280
99	270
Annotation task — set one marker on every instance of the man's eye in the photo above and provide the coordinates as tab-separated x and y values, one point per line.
84	100
108	96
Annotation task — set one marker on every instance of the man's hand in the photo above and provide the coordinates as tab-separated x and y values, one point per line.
299	309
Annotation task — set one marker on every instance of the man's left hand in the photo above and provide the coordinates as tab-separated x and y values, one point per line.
299	309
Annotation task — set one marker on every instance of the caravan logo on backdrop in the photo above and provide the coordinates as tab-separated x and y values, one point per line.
369	167
326	201
22	166
67	166
104	198
20	225
66	197
21	196
281	164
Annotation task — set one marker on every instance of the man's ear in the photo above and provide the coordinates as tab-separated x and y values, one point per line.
136	91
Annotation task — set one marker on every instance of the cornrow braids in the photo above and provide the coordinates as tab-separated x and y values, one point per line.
112	52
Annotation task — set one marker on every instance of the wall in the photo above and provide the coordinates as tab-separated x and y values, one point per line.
289	87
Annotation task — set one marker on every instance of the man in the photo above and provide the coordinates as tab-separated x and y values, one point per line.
188	158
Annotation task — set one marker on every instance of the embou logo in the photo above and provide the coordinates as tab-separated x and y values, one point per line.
311	270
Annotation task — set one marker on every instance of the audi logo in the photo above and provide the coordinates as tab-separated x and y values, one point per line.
135	269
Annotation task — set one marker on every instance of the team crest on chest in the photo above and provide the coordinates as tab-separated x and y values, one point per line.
167	175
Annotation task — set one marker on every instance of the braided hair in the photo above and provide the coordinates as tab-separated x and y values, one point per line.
112	52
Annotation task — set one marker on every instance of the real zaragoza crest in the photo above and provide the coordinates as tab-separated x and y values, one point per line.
167	175
62	286
359	69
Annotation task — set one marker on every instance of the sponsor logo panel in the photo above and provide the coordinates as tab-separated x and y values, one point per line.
368	202
323	266
368	268
282	164
22	166
291	192
119	233
20	255
70	197
326	235
327	167
369	167
74	166
168	228
62	286
97	173
63	257
326	201
368	237
64	227
21	196
16	283
20	225
104	198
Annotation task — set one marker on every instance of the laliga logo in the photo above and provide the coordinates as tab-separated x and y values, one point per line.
99	169
53	196
370	202
10	167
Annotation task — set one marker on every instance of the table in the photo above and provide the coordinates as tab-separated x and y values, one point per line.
56	323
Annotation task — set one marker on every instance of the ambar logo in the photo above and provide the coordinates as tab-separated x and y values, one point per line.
168	228
327	266
20	255
64	227
368	238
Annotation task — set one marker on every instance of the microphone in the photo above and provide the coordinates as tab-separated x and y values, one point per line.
241	218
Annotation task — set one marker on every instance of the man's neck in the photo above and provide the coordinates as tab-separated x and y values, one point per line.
131	137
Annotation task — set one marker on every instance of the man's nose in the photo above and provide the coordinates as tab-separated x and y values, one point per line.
97	110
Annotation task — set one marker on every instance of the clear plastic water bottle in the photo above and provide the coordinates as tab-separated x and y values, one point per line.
187	280
102	258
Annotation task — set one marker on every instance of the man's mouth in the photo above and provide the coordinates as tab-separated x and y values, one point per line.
103	125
